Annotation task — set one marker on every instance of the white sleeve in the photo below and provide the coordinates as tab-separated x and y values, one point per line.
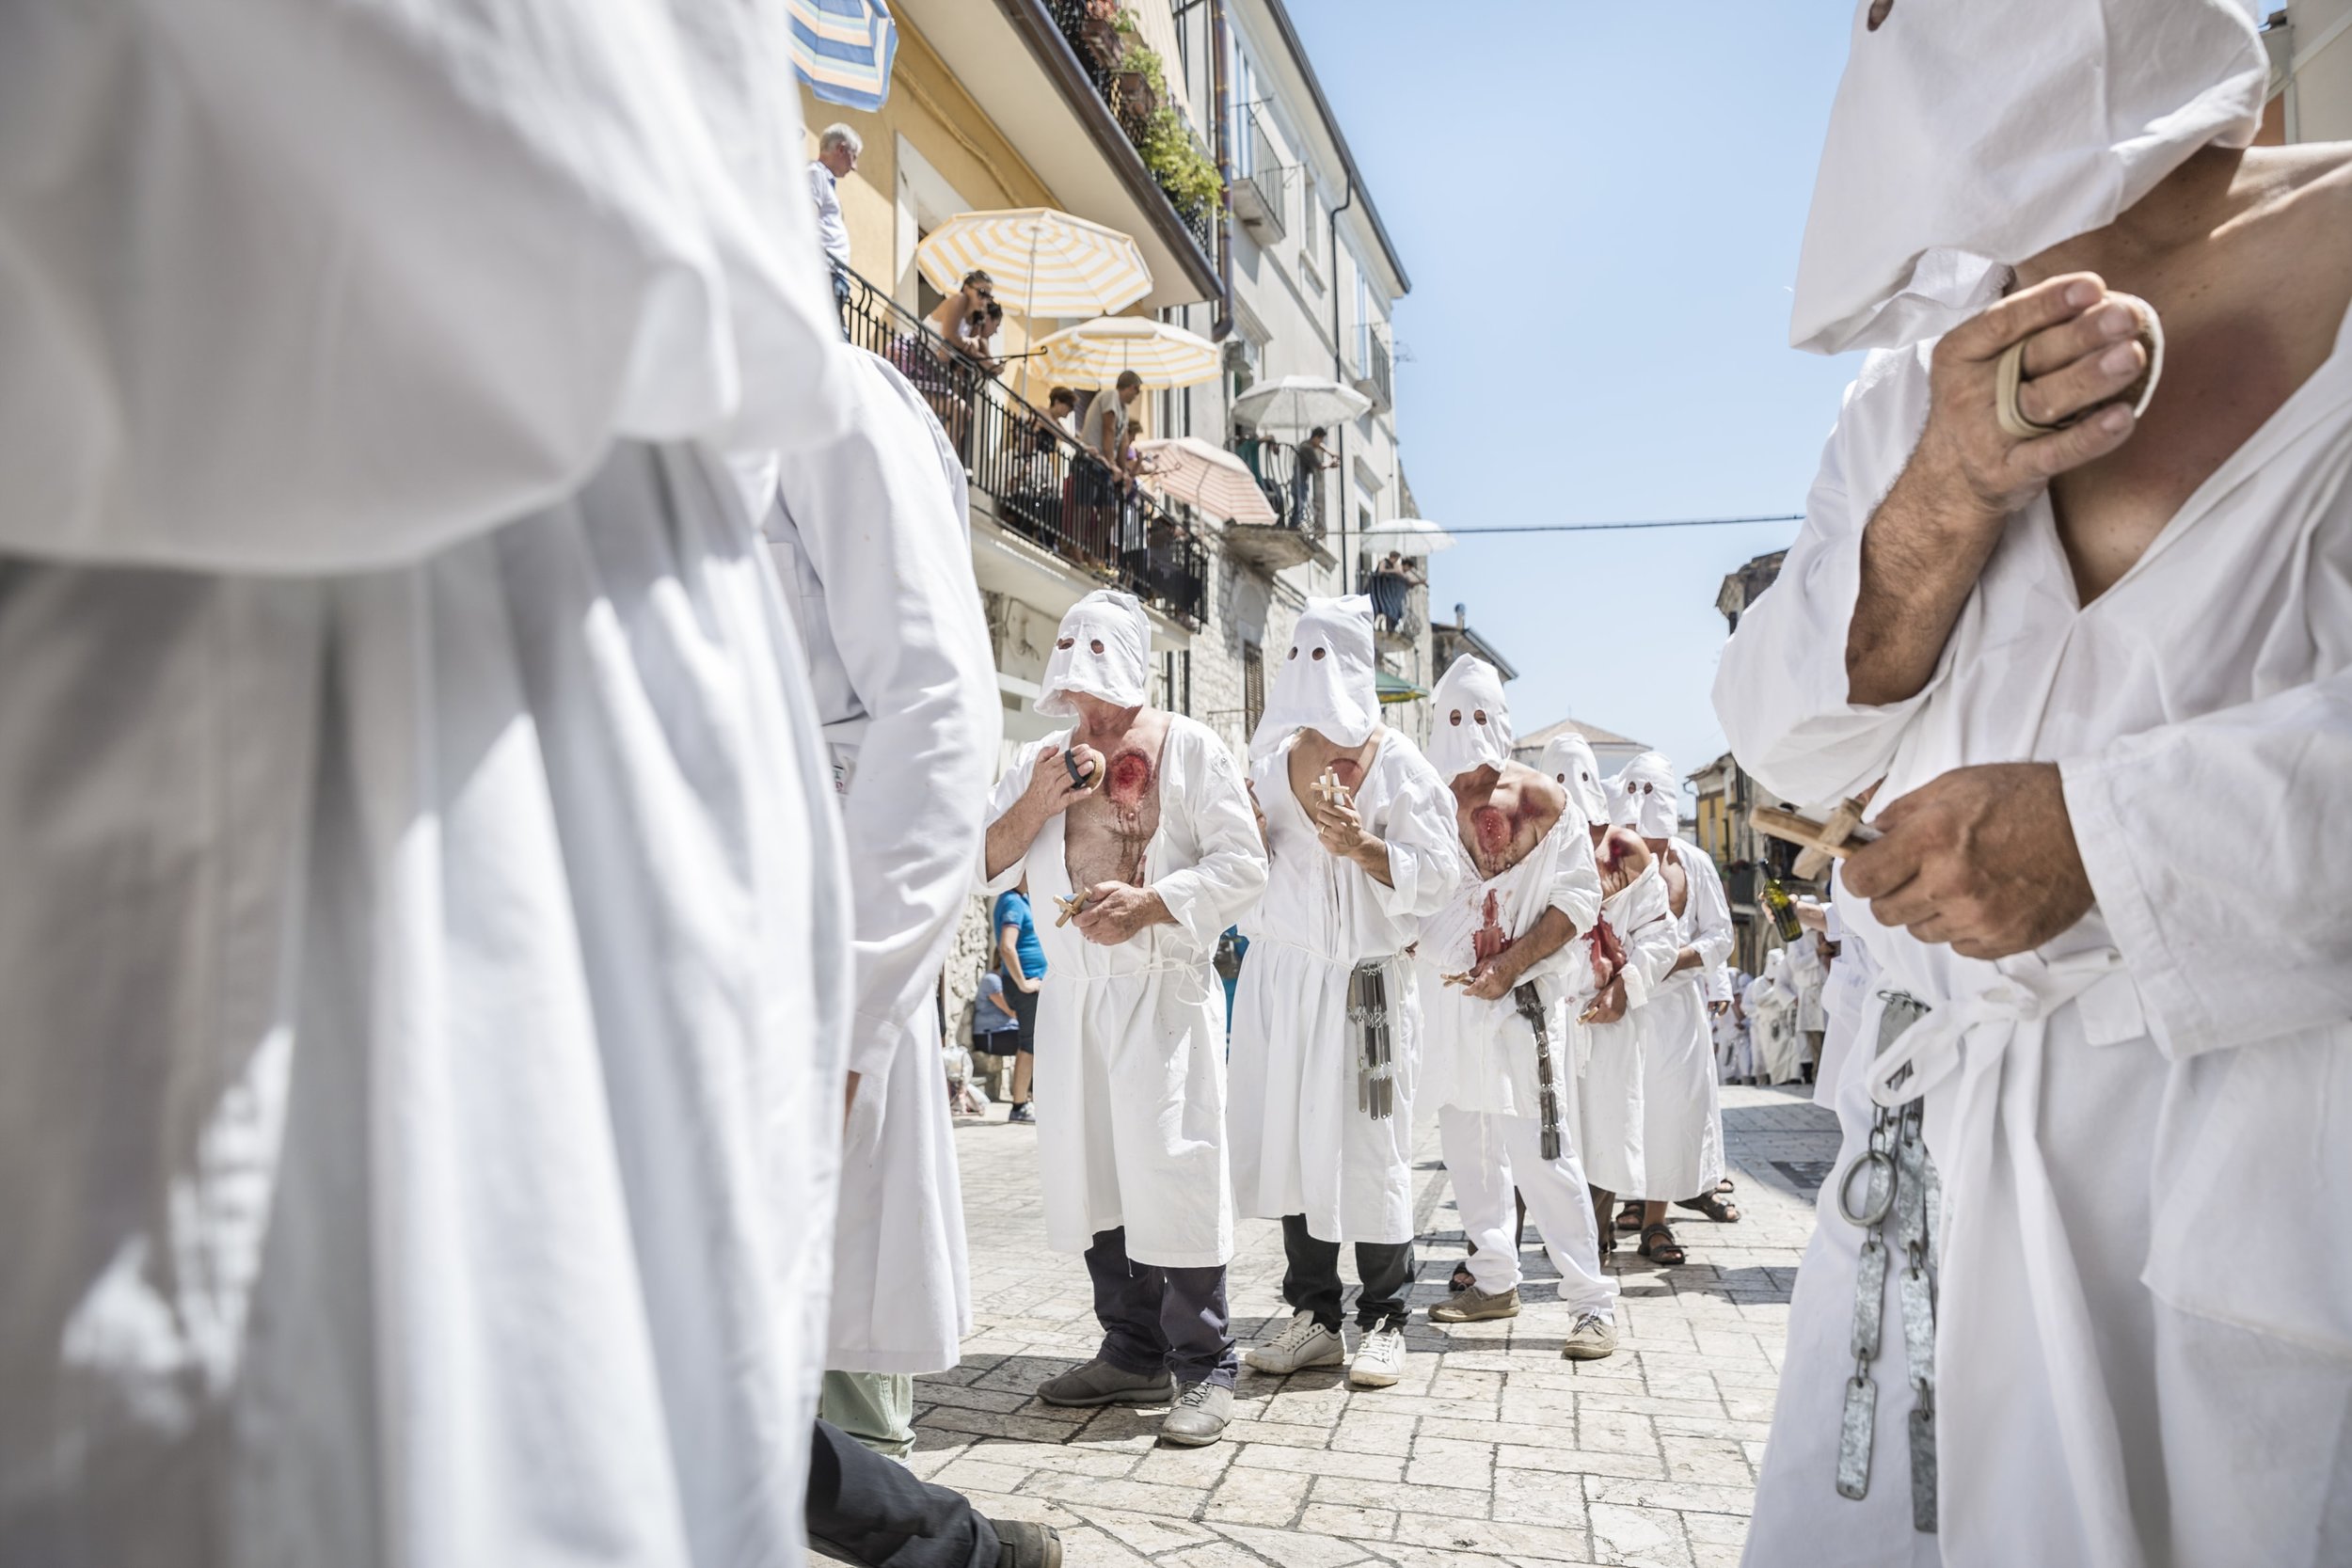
1425	850
1649	936
2236	930
877	519
1001	800
1781	689
1217	889
1711	914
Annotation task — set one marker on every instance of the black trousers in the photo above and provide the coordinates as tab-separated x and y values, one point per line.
1155	1316
1024	1014
1312	1282
872	1509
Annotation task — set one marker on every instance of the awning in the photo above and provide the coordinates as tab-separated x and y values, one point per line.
1396	688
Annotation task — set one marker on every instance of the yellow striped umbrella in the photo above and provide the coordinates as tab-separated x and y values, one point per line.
1045	262
1093	354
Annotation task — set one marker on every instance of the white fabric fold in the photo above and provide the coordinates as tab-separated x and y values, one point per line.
1327	681
1104	649
1953	153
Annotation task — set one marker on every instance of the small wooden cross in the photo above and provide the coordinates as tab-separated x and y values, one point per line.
1069	908
1840	836
1328	787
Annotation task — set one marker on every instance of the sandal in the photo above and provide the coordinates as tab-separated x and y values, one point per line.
1713	1208
1659	1248
1629	1217
1726	1185
1463	1279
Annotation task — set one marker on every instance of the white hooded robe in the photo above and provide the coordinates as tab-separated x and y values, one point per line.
425	952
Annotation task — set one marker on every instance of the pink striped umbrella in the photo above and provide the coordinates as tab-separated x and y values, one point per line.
1213	478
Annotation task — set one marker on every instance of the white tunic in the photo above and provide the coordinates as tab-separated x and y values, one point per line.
1300	1145
2167	1073
425	946
870	542
1131	1037
1610	1112
1683	1125
1482	1054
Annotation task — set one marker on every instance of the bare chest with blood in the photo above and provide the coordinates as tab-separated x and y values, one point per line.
1107	835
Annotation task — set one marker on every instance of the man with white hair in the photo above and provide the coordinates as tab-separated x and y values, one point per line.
1499	961
1326	1022
2058	611
837	151
1136	826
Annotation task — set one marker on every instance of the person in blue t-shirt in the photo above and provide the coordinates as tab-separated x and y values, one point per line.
994	1024
1020	960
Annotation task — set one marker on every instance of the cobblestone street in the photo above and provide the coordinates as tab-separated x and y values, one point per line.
1492	1450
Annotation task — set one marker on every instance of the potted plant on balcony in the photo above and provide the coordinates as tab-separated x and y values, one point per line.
1141	79
1175	158
1104	31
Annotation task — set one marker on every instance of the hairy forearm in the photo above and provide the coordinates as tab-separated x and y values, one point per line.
1550	933
1687	959
1373	855
1921	554
1010	836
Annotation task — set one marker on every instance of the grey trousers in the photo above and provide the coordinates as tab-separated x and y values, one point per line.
1154	1317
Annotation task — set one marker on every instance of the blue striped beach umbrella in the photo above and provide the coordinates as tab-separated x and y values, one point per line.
843	50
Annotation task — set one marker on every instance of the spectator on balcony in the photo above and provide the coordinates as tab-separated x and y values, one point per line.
1101	470
1061	410
837	150
1313	457
1390	586
951	318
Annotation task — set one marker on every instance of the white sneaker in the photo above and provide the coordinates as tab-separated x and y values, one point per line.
1380	1360
1305	1343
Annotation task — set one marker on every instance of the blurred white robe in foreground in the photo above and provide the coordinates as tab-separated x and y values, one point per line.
425	952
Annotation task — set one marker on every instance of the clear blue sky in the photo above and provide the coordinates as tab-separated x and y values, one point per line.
1599	206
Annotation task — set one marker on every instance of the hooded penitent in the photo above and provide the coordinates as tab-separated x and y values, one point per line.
1953	153
1104	649
1325	682
1473	723
1569	759
1646	797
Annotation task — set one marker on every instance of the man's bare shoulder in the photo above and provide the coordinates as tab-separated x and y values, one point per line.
1540	790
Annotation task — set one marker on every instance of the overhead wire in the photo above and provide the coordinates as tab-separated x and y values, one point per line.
1615	528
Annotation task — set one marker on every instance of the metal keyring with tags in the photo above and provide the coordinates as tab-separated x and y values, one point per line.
1899	1181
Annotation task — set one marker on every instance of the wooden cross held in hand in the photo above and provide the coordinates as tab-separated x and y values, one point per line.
1838	837
1328	787
1069	907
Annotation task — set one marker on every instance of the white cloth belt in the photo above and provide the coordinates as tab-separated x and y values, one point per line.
1994	1040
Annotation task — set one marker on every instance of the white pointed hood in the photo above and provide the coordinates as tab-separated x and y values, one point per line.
1569	759
1970	135
1326	681
1647	796
1104	649
1473	722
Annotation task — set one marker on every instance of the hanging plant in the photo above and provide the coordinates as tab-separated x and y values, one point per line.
1176	160
1142	78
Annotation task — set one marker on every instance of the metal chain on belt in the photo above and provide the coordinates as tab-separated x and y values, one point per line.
1898	1180
1368	1014
1531	1005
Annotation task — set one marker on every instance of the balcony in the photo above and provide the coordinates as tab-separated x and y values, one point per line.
1159	139
1400	605
1295	535
1260	198
1375	379
1041	488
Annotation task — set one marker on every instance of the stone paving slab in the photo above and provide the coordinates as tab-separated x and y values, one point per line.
1490	1451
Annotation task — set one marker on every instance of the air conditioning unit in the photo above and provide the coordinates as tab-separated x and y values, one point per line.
1235	357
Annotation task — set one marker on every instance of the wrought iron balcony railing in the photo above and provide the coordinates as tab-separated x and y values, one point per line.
1132	104
1044	485
1296	495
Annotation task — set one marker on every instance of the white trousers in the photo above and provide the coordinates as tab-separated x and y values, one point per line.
1487	1155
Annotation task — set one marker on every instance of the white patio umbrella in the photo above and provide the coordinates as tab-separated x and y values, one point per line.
1300	403
1045	262
1209	477
1413	535
1093	353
